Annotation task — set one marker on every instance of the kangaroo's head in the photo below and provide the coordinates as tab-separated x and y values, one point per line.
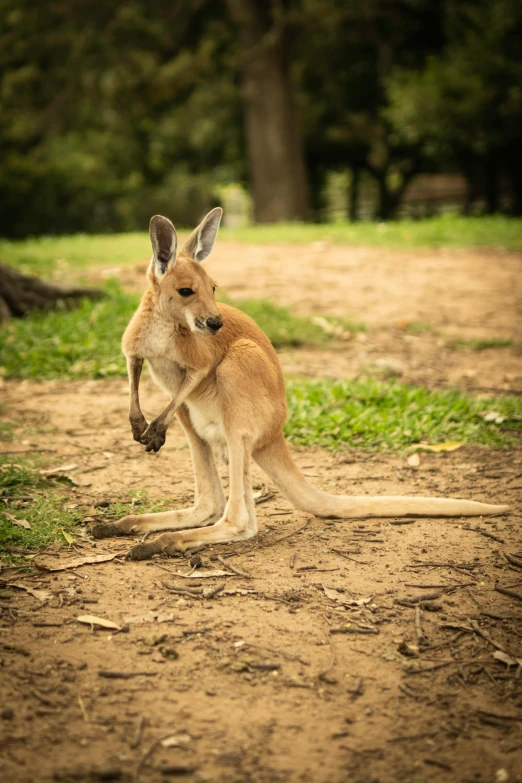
184	291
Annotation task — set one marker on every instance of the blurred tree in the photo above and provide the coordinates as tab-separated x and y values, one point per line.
111	111
465	106
346	52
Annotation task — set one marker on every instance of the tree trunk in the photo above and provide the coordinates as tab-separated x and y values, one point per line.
275	148
20	294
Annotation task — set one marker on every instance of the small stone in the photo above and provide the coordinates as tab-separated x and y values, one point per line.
195	561
501	776
7	713
102	504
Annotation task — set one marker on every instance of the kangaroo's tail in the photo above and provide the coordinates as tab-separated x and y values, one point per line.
275	459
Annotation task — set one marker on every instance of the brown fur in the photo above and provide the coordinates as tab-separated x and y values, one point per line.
227	391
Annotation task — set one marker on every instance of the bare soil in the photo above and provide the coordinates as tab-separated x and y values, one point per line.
307	665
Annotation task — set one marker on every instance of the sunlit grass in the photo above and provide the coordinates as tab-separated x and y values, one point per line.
54	256
375	415
445	231
85	342
481	344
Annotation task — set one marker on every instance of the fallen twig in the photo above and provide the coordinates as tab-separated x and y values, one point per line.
478	630
515	561
233	568
483	532
508	592
139	731
124	675
418	627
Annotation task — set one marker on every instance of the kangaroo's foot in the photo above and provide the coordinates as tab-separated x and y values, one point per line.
136	524
221	532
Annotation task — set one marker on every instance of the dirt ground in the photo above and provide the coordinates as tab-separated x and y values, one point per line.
326	651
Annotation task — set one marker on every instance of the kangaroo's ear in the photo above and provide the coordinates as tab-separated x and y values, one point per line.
164	243
200	243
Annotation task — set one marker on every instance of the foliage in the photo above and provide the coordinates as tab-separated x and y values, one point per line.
376	416
115	111
465	105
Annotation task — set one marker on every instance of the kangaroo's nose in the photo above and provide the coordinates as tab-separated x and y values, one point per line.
214	323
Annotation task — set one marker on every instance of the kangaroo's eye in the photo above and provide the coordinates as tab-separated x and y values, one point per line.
185	291
214	289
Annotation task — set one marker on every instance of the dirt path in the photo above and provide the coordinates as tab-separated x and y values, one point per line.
256	684
306	665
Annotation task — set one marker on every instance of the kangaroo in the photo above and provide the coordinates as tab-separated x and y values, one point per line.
227	391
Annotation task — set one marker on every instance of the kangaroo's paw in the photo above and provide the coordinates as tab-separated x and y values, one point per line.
124	527
167	544
154	436
138	425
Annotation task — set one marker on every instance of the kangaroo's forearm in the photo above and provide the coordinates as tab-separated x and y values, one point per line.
134	368
190	382
136	417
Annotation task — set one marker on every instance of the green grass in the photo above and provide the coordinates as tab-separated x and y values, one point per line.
47	506
27	495
481	344
58	256
375	415
80	343
85	342
54	256
443	231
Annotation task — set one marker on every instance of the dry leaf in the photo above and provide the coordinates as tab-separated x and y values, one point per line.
203	574
449	445
68	537
91	560
335	596
91	619
494	416
414	460
175	740
262	495
507	659
42	595
18	522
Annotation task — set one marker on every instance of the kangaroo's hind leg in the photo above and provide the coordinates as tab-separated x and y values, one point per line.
236	524
209	501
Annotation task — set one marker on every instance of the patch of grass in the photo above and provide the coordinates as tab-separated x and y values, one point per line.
56	256
85	342
481	344
285	329
80	343
375	415
28	496
61	256
46	506
417	327
443	231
